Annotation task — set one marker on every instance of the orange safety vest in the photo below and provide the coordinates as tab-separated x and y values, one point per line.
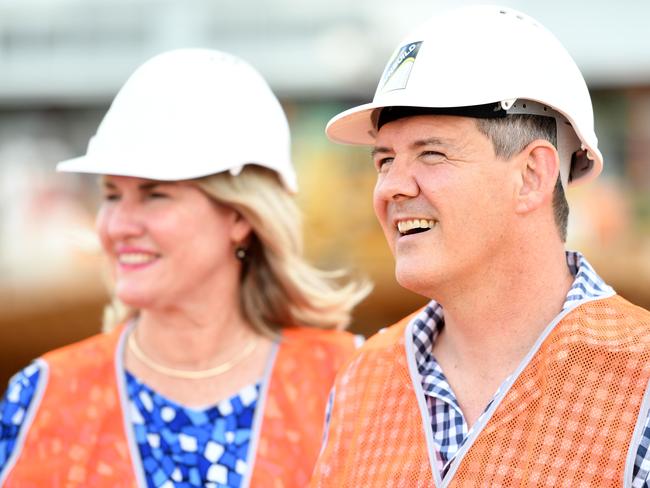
571	415
78	432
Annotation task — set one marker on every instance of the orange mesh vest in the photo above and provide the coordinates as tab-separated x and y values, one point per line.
571	417
78	432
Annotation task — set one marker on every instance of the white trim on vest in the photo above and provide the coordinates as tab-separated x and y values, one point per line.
636	438
422	402
258	417
125	405
30	414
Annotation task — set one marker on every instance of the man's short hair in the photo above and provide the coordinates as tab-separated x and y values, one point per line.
511	134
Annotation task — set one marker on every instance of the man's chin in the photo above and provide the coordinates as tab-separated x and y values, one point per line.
415	279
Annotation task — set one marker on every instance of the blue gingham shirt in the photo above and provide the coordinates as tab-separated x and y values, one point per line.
449	426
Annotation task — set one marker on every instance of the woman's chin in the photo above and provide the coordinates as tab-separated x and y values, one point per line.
135	300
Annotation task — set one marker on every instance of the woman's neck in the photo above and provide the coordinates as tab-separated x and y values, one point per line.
192	340
178	341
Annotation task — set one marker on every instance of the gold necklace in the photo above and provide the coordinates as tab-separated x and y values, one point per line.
185	374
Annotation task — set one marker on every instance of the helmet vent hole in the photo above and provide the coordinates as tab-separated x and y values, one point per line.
524	105
502	12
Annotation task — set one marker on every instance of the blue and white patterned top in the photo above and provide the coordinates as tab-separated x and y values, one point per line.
179	446
449	426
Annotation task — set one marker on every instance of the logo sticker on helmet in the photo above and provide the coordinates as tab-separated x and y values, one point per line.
398	70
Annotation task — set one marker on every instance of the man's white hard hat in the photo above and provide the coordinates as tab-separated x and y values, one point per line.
480	56
190	113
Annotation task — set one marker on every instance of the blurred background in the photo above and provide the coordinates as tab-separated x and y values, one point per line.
62	61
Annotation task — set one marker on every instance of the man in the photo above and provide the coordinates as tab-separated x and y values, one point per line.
525	369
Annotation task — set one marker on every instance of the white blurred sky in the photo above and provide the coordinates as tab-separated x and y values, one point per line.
76	50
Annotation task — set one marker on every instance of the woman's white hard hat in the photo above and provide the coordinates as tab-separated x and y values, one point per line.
190	113
479	55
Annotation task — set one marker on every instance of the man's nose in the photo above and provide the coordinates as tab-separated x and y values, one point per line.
398	182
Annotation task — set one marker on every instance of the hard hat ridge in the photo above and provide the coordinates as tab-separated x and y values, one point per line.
189	113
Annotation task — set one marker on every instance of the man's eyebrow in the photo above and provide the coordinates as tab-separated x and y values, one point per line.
379	150
430	141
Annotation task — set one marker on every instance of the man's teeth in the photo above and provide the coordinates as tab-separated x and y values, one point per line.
136	258
404	226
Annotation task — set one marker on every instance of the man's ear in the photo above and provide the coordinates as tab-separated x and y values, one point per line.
539	169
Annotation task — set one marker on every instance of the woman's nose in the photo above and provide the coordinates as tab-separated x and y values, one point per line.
119	220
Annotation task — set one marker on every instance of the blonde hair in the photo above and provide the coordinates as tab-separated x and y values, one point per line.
279	289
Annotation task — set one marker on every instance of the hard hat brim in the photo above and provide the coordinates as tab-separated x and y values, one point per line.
90	165
356	126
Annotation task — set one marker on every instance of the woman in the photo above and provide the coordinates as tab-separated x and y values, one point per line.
221	344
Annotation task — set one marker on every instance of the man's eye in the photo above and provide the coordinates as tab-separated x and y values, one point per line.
157	194
432	155
111	197
380	163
